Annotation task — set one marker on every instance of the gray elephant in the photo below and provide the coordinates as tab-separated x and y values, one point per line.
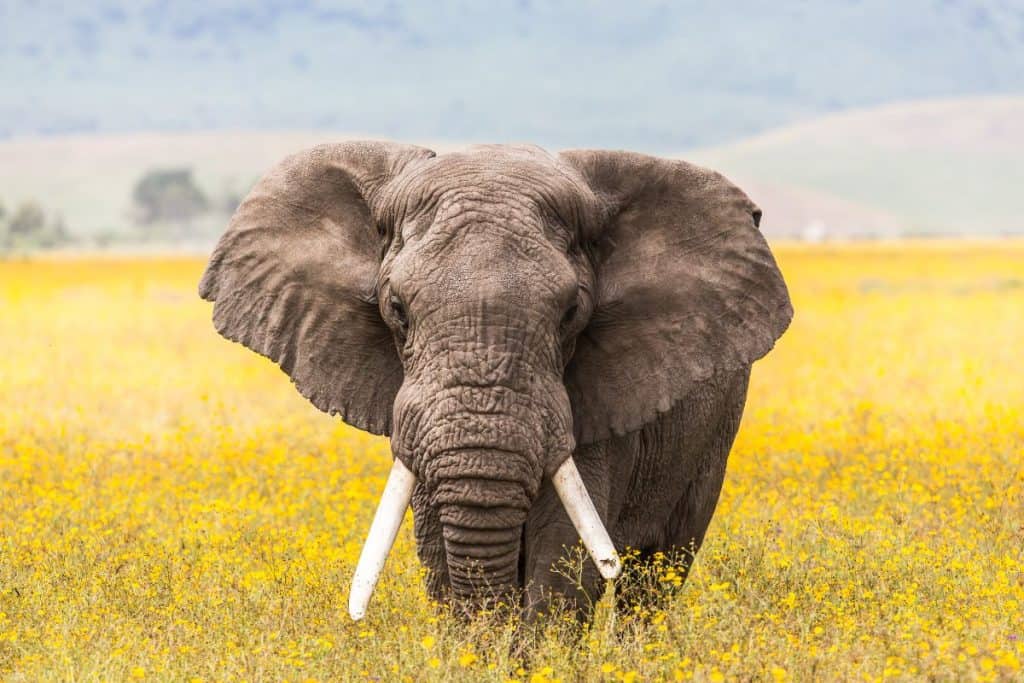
559	346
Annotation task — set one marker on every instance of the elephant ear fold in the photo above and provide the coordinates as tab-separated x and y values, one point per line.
686	288
293	278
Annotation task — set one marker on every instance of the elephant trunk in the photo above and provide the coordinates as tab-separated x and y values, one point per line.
482	519
477	468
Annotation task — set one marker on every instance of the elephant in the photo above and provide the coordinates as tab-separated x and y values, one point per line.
558	345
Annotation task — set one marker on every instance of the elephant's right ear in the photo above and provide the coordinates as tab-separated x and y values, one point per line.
686	288
293	278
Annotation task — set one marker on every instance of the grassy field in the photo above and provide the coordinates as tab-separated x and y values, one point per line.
171	509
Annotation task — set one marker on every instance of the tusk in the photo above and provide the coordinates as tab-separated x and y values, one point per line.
584	517
383	530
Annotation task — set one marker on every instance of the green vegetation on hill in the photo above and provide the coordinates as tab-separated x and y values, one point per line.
28	228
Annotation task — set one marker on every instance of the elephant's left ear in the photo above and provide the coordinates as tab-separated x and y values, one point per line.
293	277
686	288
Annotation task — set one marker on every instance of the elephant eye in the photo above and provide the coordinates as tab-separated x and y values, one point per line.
398	310
570	315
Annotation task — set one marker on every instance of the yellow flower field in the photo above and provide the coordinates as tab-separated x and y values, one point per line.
171	509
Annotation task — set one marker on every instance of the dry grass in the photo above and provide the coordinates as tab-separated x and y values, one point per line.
171	509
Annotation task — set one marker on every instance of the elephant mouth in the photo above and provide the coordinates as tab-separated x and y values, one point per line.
483	544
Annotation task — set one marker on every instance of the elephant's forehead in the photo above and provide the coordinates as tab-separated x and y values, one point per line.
486	166
500	179
479	225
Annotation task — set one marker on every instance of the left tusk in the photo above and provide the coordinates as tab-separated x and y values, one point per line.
383	531
580	507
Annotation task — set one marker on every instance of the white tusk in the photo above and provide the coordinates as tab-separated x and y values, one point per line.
383	530
584	517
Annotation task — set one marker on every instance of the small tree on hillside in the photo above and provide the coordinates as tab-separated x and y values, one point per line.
27	222
168	195
23	228
27	229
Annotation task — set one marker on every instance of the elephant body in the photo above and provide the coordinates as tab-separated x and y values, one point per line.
528	328
656	488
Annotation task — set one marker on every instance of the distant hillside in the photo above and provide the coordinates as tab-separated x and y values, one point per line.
647	75
931	167
934	167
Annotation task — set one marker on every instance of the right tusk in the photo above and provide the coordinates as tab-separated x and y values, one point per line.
383	531
580	507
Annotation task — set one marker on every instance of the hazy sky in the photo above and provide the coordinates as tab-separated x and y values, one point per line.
645	75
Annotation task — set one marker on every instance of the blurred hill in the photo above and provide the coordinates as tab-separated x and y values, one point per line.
645	75
90	180
942	167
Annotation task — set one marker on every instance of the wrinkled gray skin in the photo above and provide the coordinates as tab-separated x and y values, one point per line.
497	310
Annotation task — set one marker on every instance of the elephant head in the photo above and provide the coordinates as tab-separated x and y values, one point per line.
491	310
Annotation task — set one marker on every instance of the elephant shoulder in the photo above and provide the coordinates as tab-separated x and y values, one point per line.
708	413
679	455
